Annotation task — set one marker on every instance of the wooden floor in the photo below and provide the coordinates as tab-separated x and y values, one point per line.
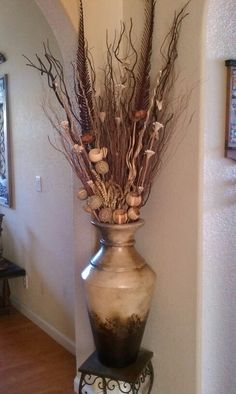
30	361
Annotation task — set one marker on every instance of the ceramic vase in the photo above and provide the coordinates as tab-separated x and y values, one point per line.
119	286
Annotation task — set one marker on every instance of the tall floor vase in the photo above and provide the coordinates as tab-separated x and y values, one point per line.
119	286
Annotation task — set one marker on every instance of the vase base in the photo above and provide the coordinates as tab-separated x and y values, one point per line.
117	342
113	362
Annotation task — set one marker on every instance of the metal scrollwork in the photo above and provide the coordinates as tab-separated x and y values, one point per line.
141	380
107	385
102	385
111	384
90	380
145	373
124	387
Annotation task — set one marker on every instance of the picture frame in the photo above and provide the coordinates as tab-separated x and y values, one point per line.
230	133
5	184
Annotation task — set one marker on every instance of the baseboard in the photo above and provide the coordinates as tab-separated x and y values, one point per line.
48	328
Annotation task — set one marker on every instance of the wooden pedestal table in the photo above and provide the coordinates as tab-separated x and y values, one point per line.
9	270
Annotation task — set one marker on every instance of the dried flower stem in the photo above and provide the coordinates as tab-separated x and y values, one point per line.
130	121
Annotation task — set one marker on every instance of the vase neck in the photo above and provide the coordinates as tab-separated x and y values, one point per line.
117	235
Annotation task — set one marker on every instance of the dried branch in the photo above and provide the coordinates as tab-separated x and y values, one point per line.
144	67
117	140
171	42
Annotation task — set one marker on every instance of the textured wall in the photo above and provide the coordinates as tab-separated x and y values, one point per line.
219	270
38	229
170	241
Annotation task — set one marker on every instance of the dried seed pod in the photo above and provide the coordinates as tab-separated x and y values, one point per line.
120	216
104	152
95	155
87	209
138	115
102	167
94	202
82	194
133	213
133	199
105	215
87	138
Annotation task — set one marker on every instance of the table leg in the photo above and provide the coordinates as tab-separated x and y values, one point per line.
104	383
6	293
81	381
150	367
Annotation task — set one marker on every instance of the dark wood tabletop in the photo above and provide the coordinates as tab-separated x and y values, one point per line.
12	270
128	374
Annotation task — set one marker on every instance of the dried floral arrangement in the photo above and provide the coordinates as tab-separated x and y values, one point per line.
115	139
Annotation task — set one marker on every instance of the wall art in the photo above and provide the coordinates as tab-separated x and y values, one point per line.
5	195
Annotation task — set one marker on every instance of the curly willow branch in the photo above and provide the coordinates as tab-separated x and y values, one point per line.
129	118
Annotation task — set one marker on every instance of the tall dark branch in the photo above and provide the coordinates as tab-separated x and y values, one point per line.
142	96
171	42
85	97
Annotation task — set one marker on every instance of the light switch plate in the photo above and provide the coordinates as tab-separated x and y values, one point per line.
38	183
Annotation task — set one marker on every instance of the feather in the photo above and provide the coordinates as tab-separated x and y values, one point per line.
142	95
84	96
171	42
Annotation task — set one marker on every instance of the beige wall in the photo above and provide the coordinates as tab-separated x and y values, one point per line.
171	240
38	230
219	270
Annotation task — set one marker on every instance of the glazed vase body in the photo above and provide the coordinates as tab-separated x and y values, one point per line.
119	286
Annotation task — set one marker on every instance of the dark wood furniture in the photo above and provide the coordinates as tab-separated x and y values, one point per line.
108	379
12	270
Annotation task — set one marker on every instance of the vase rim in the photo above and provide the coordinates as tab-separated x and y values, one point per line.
137	223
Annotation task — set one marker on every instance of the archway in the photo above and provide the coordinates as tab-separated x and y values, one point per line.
64	29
